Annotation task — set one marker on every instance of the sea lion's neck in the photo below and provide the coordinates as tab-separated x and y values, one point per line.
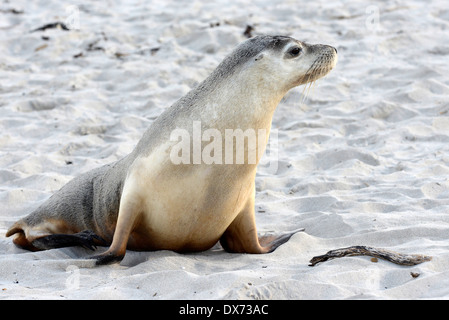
241	101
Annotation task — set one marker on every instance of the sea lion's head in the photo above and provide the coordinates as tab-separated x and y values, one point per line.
280	61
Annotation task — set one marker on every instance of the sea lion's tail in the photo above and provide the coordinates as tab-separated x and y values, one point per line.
15	228
20	239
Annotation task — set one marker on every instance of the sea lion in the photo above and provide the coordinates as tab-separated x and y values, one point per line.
146	201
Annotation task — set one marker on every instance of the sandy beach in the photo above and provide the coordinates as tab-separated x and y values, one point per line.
364	160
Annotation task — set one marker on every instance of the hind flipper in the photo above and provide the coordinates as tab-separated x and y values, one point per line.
86	239
108	258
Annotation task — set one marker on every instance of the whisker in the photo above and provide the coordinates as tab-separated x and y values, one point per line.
310	86
318	69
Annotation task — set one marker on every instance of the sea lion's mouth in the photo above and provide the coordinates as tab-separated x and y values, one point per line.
322	65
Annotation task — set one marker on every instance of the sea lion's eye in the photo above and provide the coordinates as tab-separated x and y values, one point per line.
295	51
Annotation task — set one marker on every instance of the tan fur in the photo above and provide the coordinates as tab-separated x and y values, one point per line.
188	207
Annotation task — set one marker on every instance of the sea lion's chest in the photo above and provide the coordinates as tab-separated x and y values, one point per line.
187	204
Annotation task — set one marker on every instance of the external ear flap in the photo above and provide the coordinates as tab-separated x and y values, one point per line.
259	57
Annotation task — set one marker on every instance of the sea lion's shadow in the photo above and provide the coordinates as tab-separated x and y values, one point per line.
134	258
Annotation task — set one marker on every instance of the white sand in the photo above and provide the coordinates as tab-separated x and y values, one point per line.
364	161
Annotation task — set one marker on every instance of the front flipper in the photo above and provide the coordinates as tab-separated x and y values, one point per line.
126	221
241	236
274	241
86	239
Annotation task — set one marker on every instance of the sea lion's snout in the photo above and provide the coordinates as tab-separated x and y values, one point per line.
322	59
326	47
322	49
